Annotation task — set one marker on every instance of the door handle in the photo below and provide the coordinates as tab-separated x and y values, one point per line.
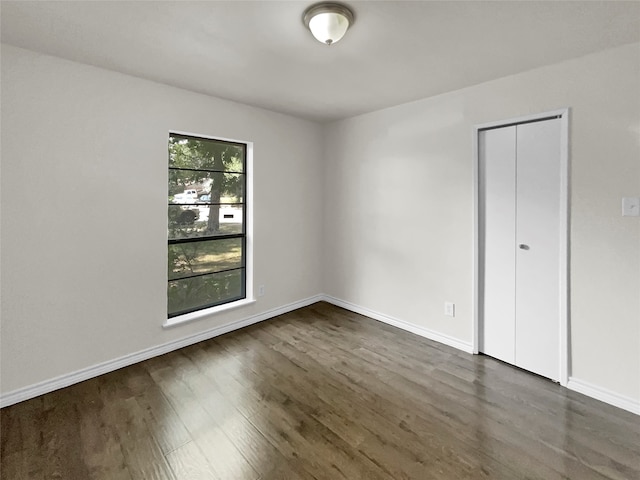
523	246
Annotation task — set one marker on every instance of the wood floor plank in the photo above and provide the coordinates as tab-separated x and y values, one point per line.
29	458
142	454
101	449
318	393
60	454
300	424
11	432
293	434
189	463
165	426
225	459
258	451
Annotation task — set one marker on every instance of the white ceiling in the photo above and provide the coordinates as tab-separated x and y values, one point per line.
259	52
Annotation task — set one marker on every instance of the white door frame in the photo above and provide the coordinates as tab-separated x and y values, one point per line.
564	231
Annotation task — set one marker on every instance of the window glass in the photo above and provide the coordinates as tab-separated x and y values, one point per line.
206	223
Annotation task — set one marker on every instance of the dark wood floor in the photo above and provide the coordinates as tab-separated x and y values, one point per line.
319	393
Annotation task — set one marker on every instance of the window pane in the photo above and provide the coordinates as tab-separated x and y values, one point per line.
186	187
192	221
196	258
206	196
206	291
205	154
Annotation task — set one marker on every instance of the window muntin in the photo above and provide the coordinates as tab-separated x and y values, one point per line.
206	223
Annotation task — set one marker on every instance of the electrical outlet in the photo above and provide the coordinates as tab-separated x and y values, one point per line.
261	290
450	309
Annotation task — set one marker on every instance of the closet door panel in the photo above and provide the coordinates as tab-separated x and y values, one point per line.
497	151
537	297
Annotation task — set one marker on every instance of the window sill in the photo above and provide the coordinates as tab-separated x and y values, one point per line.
190	317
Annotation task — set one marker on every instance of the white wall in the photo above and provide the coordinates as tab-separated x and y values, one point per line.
83	221
399	207
84	180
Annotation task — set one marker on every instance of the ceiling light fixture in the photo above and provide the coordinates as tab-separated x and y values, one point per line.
328	22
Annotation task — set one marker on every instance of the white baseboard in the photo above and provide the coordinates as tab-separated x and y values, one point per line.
423	332
604	395
62	381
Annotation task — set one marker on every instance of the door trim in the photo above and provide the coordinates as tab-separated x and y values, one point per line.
564	314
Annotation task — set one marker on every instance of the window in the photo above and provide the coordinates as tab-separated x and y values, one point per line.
207	223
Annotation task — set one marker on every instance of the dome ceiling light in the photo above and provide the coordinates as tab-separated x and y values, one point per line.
327	21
